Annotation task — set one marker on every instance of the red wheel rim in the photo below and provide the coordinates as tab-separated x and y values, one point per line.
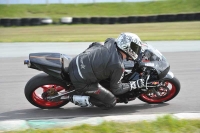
155	99
37	96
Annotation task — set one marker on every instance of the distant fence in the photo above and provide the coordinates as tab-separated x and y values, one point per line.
100	20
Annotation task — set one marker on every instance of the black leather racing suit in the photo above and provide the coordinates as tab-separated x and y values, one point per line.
97	63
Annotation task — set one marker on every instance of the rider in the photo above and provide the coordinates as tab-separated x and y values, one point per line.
99	62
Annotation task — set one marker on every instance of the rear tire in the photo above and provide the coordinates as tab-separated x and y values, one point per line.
175	88
39	81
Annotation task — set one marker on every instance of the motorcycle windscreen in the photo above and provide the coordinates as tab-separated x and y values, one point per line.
161	67
50	63
154	59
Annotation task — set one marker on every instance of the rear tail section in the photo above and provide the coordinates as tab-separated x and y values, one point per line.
54	64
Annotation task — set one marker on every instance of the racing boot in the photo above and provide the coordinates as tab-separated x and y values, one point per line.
82	101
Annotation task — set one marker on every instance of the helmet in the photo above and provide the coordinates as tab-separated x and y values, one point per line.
130	44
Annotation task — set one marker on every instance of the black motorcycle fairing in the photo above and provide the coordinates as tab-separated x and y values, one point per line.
46	59
169	75
161	67
54	64
50	63
152	58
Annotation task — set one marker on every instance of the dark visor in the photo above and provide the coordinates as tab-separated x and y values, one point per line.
135	48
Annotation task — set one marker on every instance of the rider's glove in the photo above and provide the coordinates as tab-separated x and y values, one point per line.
137	84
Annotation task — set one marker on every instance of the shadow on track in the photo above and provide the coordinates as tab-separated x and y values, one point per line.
66	113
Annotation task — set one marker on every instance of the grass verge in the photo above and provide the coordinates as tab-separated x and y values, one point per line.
83	33
166	124
57	11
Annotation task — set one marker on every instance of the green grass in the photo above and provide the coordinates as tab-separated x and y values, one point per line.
166	124
57	11
71	33
79	33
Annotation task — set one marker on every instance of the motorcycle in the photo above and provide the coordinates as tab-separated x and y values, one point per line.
51	88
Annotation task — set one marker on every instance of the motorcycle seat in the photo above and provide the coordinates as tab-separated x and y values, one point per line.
66	60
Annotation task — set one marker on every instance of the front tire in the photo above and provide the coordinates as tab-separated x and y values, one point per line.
173	88
40	84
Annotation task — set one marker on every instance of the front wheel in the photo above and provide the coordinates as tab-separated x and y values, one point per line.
168	91
41	86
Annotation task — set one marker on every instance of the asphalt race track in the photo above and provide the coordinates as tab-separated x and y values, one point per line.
185	64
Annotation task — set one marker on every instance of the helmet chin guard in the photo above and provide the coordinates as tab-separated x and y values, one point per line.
130	44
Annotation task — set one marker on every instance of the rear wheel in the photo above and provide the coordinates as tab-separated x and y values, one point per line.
41	86
169	89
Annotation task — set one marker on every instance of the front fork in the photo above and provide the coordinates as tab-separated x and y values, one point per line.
155	84
152	86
